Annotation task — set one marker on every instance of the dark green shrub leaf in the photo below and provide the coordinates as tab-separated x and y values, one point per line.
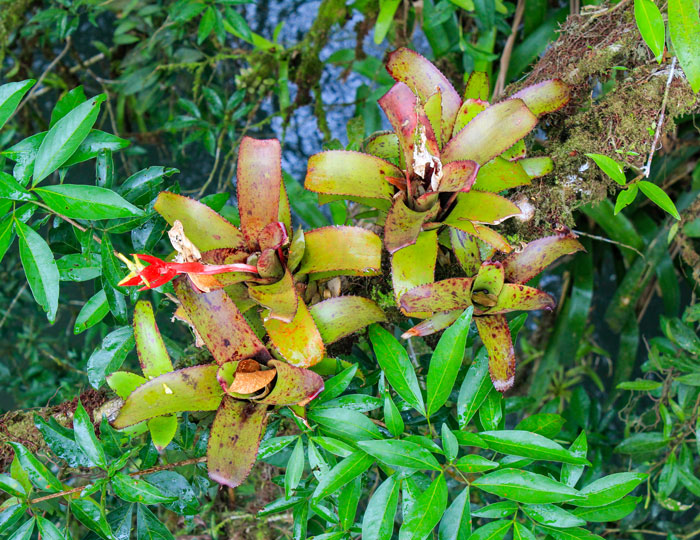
149	527
609	489
570	474
11	486
610	167
89	513
496	530
132	490
86	438
62	442
657	195
474	463
446	361
549	514
49	531
64	138
10	516
87	202
10	96
38	473
641	443
92	312
525	487
295	468
496	510
347	425
545	424
110	355
427	512
397	367
40	268
404	454
530	445
610	512
336	385
456	523
344	472
24	532
476	386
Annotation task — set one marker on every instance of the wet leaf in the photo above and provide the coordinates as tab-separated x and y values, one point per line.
86	438
658	196
110	355
12	190
378	521
189	389
526	444
345	424
10	96
40	268
609	489
474	463
684	29
403	454
89	513
426	513
234	440
526	487
138	491
549	514
87	202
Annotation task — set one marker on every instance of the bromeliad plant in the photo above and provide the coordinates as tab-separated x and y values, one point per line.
494	288
223	273
263	265
443	165
241	385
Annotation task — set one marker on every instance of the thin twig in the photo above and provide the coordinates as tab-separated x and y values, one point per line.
609	241
12	304
34	90
660	122
508	49
157	468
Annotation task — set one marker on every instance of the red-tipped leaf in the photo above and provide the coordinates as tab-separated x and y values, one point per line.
259	182
445	295
458	176
522	266
424	78
403	225
293	385
399	105
514	297
545	97
495	334
234	440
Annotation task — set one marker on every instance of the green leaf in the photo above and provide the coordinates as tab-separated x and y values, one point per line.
24	532
206	25
530	445
426	512
570	474
549	514
404	454
40	268
150	347
525	487
684	29
62	442
49	531
69	101
476	386
658	196
626	196
641	443
89	513
110	355
651	25
10	189
97	141
10	96
446	361
474	463
10	516
345	471
643	385
149	527
491	412
387	9
175	485
38	473
237	25
87	202
11	486
521	532
92	312
295	468
132	490
392	416
456	522
610	512
545	424
64	138
397	367
609	489
86	438
449	443
337	384
378	521
497	510
270	447
7	234
348	500
496	530
610	167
